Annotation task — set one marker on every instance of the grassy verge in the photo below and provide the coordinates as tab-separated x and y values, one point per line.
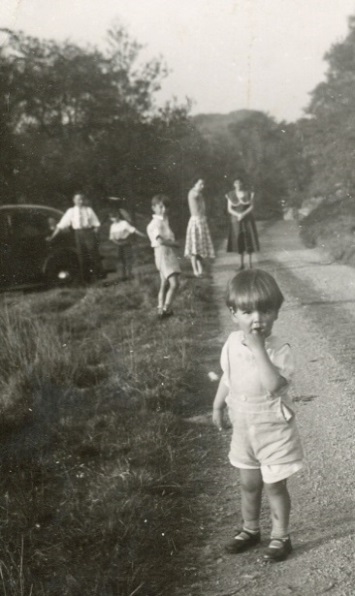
97	462
332	226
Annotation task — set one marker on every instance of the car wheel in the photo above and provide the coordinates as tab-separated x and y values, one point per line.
63	271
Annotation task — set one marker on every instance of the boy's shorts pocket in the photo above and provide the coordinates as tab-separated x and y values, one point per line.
287	412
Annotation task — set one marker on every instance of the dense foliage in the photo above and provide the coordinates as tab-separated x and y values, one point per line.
75	118
328	131
79	118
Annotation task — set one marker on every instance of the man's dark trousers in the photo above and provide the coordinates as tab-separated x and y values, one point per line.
88	254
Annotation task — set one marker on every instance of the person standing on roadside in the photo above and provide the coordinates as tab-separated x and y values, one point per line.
257	369
162	239
198	245
121	233
82	219
242	235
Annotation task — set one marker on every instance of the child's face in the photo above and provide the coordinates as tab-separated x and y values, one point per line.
160	209
255	321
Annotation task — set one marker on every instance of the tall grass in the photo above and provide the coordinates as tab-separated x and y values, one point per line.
332	226
97	466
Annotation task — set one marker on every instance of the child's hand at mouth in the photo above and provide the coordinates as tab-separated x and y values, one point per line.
255	339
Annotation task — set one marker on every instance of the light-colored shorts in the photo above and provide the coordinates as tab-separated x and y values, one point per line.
166	261
265	437
274	472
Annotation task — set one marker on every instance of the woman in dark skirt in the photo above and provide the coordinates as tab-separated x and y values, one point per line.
243	235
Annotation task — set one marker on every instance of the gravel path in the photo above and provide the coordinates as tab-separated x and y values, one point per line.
318	319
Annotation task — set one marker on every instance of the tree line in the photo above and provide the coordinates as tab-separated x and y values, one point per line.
81	118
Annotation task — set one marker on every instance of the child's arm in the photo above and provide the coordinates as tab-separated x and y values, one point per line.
219	404
167	242
140	233
269	374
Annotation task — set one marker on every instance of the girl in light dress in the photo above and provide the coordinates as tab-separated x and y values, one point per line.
198	245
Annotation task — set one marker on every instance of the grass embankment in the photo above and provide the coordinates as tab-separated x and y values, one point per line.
97	462
332	226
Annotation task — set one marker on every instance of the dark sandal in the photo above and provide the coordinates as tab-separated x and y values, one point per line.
242	541
278	550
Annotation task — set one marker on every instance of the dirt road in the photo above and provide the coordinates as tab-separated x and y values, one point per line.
318	319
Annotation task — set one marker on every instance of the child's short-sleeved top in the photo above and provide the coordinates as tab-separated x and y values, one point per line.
121	230
264	427
240	373
159	228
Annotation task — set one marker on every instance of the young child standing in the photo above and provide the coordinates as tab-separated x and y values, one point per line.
163	241
121	232
257	369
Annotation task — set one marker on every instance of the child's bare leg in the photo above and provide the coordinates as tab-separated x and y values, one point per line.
124	266
129	263
162	291
251	485
241	261
173	282
280	505
199	265
194	261
250	261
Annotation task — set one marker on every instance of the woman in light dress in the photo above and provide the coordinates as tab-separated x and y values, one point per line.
198	244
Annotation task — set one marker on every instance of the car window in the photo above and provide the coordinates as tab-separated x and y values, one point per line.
31	225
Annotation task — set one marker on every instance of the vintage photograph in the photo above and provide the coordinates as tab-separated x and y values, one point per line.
177	297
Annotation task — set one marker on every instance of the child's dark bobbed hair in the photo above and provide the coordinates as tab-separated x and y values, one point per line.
254	289
161	198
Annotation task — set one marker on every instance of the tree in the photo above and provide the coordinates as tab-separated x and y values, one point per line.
270	159
329	130
87	119
8	152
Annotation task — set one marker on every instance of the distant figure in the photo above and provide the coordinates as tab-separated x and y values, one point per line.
265	446
243	234
121	233
198	244
118	203
163	241
82	219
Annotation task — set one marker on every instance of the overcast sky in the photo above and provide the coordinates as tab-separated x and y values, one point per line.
224	54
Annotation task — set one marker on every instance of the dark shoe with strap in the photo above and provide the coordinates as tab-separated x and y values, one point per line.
167	312
278	550
242	541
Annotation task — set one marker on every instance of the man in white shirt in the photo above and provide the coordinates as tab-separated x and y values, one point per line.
82	219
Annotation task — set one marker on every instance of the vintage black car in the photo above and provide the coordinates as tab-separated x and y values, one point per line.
26	257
